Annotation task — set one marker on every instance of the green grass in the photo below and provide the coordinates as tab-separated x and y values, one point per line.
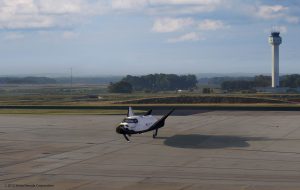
59	95
141	108
66	111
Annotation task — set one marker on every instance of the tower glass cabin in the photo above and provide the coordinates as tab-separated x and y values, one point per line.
275	40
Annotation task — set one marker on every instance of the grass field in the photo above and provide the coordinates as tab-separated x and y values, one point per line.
66	112
63	111
93	99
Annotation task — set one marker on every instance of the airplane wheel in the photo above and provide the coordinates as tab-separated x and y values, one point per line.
154	136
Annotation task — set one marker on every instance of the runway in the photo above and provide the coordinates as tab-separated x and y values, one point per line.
211	150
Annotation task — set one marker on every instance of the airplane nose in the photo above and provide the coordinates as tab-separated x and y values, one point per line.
120	129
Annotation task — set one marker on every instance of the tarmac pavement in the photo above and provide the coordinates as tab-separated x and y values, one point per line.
212	150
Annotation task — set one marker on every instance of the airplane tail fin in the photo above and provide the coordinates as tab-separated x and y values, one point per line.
130	112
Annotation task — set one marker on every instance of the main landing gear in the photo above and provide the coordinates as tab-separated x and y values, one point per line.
155	133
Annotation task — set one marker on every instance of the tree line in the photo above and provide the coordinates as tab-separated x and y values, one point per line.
290	81
154	83
27	80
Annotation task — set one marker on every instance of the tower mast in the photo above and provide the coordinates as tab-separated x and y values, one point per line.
275	40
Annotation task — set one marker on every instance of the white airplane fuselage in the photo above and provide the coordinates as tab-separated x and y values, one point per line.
133	124
138	123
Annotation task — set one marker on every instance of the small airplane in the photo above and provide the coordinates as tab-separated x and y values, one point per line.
134	124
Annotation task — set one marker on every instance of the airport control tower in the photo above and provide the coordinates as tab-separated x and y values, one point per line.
275	41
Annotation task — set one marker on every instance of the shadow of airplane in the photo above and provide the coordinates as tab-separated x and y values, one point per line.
209	141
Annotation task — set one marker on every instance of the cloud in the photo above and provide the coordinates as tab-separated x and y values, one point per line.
208	24
14	36
272	12
166	25
185	2
60	7
182	10
67	14
69	35
171	24
292	19
183	6
128	4
167	7
186	37
41	14
281	28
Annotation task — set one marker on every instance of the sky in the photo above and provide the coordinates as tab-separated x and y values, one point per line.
121	37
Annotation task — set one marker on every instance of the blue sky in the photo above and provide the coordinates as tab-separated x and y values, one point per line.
120	37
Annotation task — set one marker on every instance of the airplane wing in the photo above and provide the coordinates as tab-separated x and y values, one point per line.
161	122
148	113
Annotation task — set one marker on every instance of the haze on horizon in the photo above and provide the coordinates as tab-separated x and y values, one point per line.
120	37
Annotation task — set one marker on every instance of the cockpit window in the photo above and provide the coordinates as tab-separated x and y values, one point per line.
130	121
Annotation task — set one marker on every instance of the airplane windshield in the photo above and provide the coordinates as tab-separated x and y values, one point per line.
130	120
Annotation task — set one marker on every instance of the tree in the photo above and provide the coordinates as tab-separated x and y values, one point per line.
292	81
120	87
206	90
237	85
262	81
161	82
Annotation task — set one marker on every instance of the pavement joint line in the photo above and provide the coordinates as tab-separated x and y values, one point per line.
206	124
72	142
81	185
209	120
291	132
200	118
203	167
29	160
258	150
275	141
182	178
60	128
146	179
232	158
15	178
40	173
122	148
187	186
16	151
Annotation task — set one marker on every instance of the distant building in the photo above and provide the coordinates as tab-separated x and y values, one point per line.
275	40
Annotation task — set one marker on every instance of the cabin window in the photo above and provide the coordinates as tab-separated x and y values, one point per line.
130	120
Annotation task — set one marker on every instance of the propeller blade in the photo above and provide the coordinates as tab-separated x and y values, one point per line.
126	137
